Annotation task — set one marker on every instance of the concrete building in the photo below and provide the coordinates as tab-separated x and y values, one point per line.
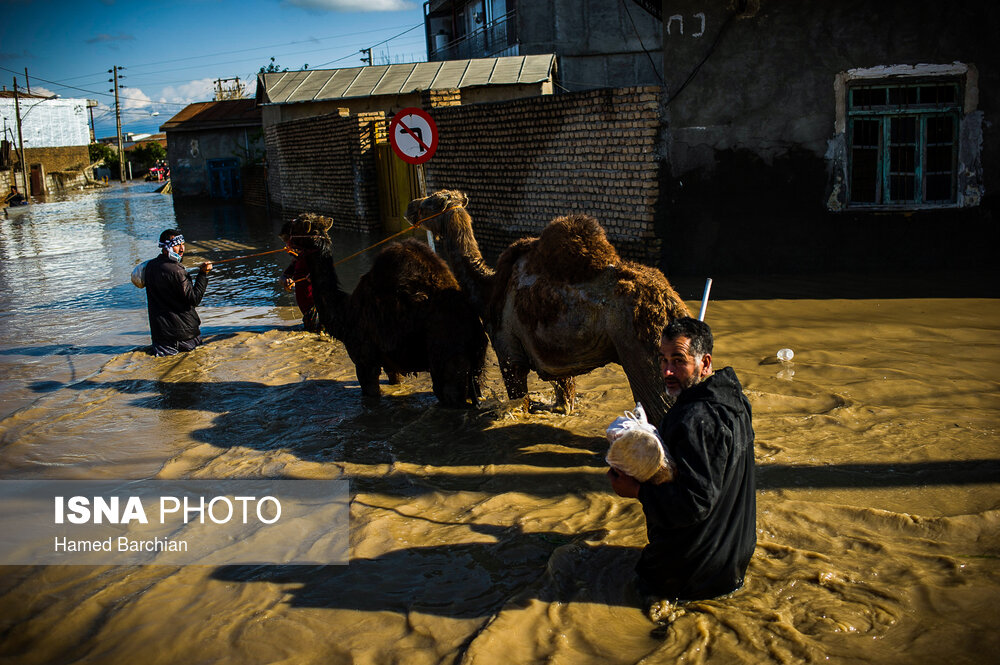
209	144
56	136
819	136
598	44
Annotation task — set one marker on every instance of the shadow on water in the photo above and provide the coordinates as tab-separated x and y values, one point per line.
463	581
324	421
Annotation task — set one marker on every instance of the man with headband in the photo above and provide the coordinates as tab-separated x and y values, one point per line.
171	296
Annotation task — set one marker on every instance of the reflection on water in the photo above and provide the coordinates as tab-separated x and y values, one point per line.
491	536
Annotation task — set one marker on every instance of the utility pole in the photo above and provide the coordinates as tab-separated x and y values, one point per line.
118	122
367	60
27	83
20	140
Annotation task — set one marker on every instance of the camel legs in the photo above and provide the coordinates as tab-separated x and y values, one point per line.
368	379
565	394
515	379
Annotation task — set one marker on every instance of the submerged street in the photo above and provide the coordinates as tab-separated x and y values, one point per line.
488	535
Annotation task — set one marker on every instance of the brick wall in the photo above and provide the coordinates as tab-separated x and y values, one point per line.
326	165
254	185
524	162
70	158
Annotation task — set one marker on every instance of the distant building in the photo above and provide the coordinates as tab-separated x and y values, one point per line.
287	96
598	44
56	139
210	143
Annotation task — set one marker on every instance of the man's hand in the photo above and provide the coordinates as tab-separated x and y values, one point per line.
289	283
624	485
206	266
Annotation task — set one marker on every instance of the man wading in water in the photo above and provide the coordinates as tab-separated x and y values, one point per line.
702	524
171	296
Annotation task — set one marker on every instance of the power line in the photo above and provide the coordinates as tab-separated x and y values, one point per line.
411	29
94	92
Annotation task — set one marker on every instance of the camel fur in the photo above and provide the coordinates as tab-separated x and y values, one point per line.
406	315
561	304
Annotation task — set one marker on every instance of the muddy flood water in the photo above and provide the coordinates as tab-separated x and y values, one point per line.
490	535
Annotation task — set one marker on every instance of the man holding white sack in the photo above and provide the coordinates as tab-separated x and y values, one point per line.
702	524
171	297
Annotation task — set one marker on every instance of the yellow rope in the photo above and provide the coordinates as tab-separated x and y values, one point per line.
399	233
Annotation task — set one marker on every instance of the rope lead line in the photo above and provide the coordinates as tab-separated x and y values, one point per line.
398	233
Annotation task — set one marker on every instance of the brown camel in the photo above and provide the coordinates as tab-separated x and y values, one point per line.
561	304
406	315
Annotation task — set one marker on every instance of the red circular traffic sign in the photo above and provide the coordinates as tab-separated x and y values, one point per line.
413	135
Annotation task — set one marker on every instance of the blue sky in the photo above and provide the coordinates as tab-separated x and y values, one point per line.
174	50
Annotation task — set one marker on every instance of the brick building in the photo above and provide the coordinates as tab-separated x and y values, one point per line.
56	139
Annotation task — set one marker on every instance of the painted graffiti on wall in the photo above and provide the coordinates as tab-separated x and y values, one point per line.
699	17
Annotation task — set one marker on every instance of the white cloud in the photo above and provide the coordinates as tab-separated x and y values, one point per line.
134	98
353	5
201	90
39	90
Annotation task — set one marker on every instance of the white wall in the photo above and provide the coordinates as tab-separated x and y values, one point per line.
47	123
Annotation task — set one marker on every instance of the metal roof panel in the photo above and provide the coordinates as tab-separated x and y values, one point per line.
333	84
477	72
450	75
393	80
537	68
338	82
366	81
308	88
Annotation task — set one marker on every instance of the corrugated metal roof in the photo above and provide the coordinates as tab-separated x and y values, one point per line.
331	84
227	113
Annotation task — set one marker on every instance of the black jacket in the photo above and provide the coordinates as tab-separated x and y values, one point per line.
171	296
702	526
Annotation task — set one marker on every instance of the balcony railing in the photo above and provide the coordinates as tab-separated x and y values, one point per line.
494	39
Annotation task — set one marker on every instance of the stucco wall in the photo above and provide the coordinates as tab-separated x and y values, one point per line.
597	43
189	151
753	152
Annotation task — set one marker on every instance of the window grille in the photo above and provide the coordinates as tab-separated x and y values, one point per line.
903	144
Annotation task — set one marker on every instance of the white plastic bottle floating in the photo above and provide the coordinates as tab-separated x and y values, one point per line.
786	355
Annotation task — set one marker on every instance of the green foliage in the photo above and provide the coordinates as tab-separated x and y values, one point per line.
273	67
99	151
145	155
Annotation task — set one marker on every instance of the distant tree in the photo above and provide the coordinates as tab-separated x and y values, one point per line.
99	151
273	67
145	155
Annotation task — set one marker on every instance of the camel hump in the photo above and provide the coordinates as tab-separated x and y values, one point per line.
412	268
572	249
654	301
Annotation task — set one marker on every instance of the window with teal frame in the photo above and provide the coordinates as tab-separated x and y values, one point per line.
903	144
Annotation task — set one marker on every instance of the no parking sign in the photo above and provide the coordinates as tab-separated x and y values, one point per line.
413	135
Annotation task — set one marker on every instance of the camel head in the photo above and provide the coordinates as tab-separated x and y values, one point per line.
306	232
431	212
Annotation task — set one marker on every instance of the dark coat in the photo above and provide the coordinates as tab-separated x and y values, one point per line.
171	296
702	526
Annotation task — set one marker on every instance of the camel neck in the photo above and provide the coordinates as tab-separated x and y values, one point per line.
331	301
460	251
